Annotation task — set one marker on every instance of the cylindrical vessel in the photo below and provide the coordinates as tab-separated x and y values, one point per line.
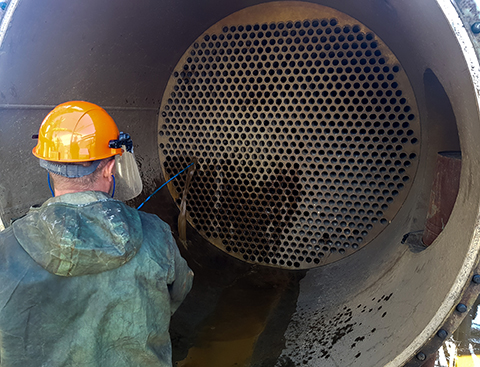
316	126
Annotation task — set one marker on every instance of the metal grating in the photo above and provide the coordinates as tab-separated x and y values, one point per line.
306	134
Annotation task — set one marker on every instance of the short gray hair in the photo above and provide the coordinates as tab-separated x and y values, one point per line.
83	182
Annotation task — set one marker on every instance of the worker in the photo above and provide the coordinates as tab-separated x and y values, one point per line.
85	279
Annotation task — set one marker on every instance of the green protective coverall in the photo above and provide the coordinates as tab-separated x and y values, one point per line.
87	281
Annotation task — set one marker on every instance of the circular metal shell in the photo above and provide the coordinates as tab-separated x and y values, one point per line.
306	132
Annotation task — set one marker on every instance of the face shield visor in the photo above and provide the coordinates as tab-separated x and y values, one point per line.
128	183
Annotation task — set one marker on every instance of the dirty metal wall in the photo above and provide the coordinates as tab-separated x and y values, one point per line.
378	306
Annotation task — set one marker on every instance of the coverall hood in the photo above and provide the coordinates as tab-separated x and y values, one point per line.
81	233
113	278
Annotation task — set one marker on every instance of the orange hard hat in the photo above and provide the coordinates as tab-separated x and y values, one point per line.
77	131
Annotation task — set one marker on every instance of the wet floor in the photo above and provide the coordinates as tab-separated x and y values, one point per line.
221	343
462	349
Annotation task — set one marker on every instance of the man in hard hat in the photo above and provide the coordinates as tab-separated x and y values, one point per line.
85	279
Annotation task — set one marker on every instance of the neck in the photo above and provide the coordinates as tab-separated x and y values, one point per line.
100	185
59	192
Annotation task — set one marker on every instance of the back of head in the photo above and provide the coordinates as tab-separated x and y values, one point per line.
77	141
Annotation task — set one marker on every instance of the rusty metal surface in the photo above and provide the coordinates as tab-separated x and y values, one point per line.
122	56
444	194
306	132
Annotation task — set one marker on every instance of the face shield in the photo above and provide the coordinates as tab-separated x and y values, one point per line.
128	183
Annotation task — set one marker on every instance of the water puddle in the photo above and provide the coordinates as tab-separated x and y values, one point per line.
222	343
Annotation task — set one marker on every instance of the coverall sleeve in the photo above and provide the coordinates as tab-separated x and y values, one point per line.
183	279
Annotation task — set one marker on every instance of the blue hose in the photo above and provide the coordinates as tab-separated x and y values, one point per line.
183	170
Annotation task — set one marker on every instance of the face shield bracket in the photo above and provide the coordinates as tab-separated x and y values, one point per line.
124	139
127	176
